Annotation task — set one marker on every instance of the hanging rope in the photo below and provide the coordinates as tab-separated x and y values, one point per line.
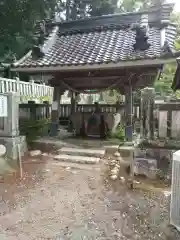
113	85
88	92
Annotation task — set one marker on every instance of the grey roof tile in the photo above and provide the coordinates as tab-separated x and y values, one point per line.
96	42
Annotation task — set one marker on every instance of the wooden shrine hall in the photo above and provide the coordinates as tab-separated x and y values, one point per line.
121	51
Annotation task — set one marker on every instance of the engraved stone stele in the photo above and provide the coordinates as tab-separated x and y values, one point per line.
2	150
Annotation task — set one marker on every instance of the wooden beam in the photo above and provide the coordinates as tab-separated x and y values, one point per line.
88	67
103	82
173	106
88	82
103	73
105	78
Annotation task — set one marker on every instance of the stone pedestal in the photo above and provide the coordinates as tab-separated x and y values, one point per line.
11	144
10	124
155	162
9	130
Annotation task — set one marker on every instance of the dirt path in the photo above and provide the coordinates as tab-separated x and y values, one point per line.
56	203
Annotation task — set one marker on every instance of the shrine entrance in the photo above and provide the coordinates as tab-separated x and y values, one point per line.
96	122
92	123
96	125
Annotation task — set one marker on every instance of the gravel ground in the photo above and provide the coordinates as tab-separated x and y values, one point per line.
52	202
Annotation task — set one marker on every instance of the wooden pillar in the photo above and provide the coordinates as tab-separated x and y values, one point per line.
73	102
56	103
55	111
73	109
128	114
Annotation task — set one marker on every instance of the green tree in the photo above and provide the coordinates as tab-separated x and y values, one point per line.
17	22
136	5
163	85
82	8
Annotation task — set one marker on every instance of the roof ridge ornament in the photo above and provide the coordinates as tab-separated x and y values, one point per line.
167	51
142	30
37	51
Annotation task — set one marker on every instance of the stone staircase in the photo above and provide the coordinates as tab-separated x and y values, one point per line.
79	155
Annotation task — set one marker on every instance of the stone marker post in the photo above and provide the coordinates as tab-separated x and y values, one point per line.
147	113
9	125
128	115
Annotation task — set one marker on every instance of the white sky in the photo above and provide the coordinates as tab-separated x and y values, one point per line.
177	5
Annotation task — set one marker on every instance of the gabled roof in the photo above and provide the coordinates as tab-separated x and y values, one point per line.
106	40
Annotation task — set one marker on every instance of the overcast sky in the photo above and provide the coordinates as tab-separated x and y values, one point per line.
177	5
177	8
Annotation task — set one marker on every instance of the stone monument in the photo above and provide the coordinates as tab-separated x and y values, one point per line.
9	126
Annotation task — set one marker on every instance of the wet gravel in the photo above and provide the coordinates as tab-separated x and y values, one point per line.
56	203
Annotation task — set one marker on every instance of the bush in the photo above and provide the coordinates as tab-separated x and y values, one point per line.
32	129
119	133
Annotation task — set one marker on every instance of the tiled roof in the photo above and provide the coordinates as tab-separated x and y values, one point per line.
103	40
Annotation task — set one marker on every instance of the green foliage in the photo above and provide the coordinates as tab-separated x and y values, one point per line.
163	85
112	96
136	5
119	133
175	19
44	99
132	5
18	19
81	8
102	7
33	129
31	98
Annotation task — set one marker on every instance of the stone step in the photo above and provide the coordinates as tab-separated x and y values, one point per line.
76	159
79	166
126	151
111	149
99	153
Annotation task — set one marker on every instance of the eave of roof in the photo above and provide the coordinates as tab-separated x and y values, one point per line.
89	67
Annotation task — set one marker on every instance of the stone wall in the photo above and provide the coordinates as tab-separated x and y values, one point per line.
161	158
151	162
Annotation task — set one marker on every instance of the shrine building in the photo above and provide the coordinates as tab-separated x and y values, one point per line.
120	51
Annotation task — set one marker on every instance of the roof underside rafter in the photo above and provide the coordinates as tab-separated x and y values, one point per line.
104	80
